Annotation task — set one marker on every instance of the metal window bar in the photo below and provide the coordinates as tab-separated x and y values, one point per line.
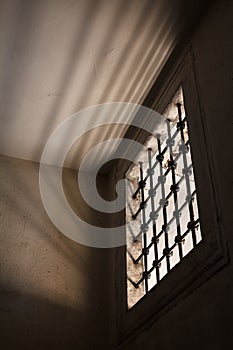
186	172
153	215
144	228
163	202
174	189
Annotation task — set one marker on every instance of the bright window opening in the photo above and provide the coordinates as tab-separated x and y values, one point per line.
162	212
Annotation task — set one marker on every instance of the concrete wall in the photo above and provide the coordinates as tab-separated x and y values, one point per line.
203	320
53	291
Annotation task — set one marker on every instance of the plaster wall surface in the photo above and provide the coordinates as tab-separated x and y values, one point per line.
53	291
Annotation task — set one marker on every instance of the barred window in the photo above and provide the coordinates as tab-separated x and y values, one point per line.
162	211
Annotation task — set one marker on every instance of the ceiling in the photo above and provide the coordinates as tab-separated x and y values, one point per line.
60	56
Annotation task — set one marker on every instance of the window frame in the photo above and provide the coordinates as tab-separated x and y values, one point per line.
210	255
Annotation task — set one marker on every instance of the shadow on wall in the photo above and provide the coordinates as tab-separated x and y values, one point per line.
51	289
29	322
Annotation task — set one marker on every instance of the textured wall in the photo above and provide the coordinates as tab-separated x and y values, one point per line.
53	291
